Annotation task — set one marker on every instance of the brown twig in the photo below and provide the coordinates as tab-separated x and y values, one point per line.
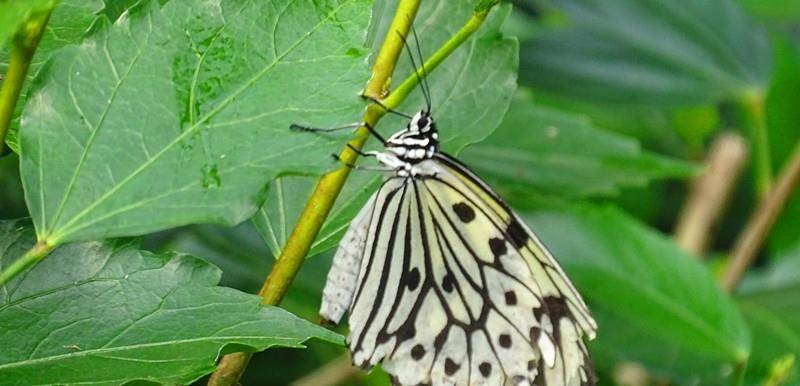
710	192
755	232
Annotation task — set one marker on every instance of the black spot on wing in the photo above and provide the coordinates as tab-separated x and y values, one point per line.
464	212
450	367
447	283
511	298
485	369
418	352
412	278
498	246
534	333
504	340
557	308
517	234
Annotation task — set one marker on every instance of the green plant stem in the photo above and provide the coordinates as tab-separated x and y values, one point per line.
752	118
405	88
22	50
330	185
31	257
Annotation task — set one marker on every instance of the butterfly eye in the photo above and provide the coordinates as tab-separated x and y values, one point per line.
422	122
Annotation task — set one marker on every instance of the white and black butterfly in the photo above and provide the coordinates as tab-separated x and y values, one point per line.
445	285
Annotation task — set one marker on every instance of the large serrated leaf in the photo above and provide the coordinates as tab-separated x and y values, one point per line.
105	313
470	91
655	52
550	152
654	303
180	114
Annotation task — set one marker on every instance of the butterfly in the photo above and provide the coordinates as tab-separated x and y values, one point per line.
445	285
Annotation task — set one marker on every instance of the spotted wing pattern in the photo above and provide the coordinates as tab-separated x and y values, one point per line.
453	289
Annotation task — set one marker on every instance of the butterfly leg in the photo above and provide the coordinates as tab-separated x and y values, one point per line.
366	168
297	127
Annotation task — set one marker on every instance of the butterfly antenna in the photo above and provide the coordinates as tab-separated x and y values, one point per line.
416	71
422	64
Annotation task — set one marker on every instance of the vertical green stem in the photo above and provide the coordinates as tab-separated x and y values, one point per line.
22	50
752	118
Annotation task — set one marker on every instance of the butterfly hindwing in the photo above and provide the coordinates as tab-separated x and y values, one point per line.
453	289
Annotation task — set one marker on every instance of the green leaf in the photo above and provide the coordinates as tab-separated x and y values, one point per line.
655	52
115	8
782	11
239	252
770	301
288	195
470	91
654	303
783	119
180	115
70	21
105	313
551	152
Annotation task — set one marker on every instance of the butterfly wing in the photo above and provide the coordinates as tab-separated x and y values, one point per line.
454	289
342	278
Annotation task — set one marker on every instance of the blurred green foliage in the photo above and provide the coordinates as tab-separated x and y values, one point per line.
615	106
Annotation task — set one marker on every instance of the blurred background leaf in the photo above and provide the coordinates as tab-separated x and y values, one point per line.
785	11
650	52
655	304
543	150
770	301
783	119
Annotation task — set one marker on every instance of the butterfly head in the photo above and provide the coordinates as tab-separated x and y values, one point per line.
418	141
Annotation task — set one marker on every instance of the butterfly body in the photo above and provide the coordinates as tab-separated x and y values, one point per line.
445	285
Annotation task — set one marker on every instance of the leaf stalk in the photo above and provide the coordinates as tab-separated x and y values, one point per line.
330	185
31	257
752	118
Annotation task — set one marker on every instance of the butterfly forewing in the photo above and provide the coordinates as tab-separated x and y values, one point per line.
454	289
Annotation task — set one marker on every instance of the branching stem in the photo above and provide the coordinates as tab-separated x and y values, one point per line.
330	185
